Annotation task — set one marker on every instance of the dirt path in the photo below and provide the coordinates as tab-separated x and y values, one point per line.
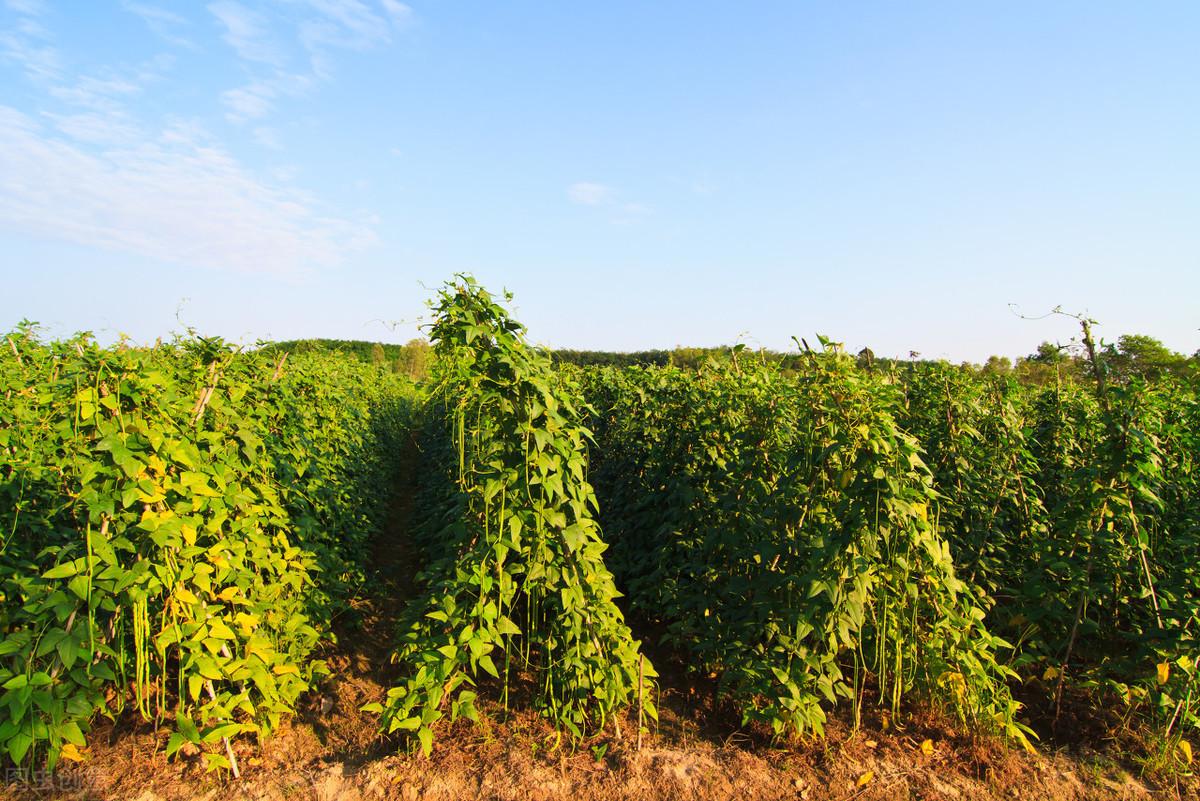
360	663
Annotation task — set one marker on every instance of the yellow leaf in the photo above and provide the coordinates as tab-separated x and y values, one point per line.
186	595
283	670
1186	748
71	752
927	748
865	779
255	649
189	533
227	593
1051	673
885	720
154	496
872	744
1164	672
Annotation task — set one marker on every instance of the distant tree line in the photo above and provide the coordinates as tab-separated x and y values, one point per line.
411	358
608	358
1131	356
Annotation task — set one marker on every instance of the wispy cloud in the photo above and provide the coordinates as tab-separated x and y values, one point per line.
586	193
248	33
96	93
165	24
27	43
344	23
257	98
400	13
249	102
175	196
28	7
290	49
87	165
97	127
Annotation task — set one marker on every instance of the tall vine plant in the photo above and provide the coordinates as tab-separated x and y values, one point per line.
517	589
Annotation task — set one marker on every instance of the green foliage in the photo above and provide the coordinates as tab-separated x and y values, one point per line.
175	523
1140	356
1076	510
600	358
180	524
779	529
516	580
414	360
410	359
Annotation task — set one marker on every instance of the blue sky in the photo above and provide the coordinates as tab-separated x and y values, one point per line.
638	174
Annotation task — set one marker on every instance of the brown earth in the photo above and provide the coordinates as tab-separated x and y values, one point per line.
331	750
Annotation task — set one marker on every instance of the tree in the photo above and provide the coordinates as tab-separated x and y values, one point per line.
1141	356
1048	353
413	360
997	365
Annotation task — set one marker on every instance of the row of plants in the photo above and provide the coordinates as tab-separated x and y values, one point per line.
841	529
515	592
781	531
179	524
1077	509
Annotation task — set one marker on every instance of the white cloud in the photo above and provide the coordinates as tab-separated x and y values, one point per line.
162	22
400	13
100	128
29	7
96	93
41	62
351	23
28	43
247	32
340	24
586	193
319	28
175	196
248	102
257	99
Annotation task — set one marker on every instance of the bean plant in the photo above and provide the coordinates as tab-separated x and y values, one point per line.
171	540
782	531
516	587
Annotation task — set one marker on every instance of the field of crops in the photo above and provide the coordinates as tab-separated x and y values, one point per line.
819	537
179	523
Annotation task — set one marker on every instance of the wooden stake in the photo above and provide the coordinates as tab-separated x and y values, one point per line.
641	660
233	766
